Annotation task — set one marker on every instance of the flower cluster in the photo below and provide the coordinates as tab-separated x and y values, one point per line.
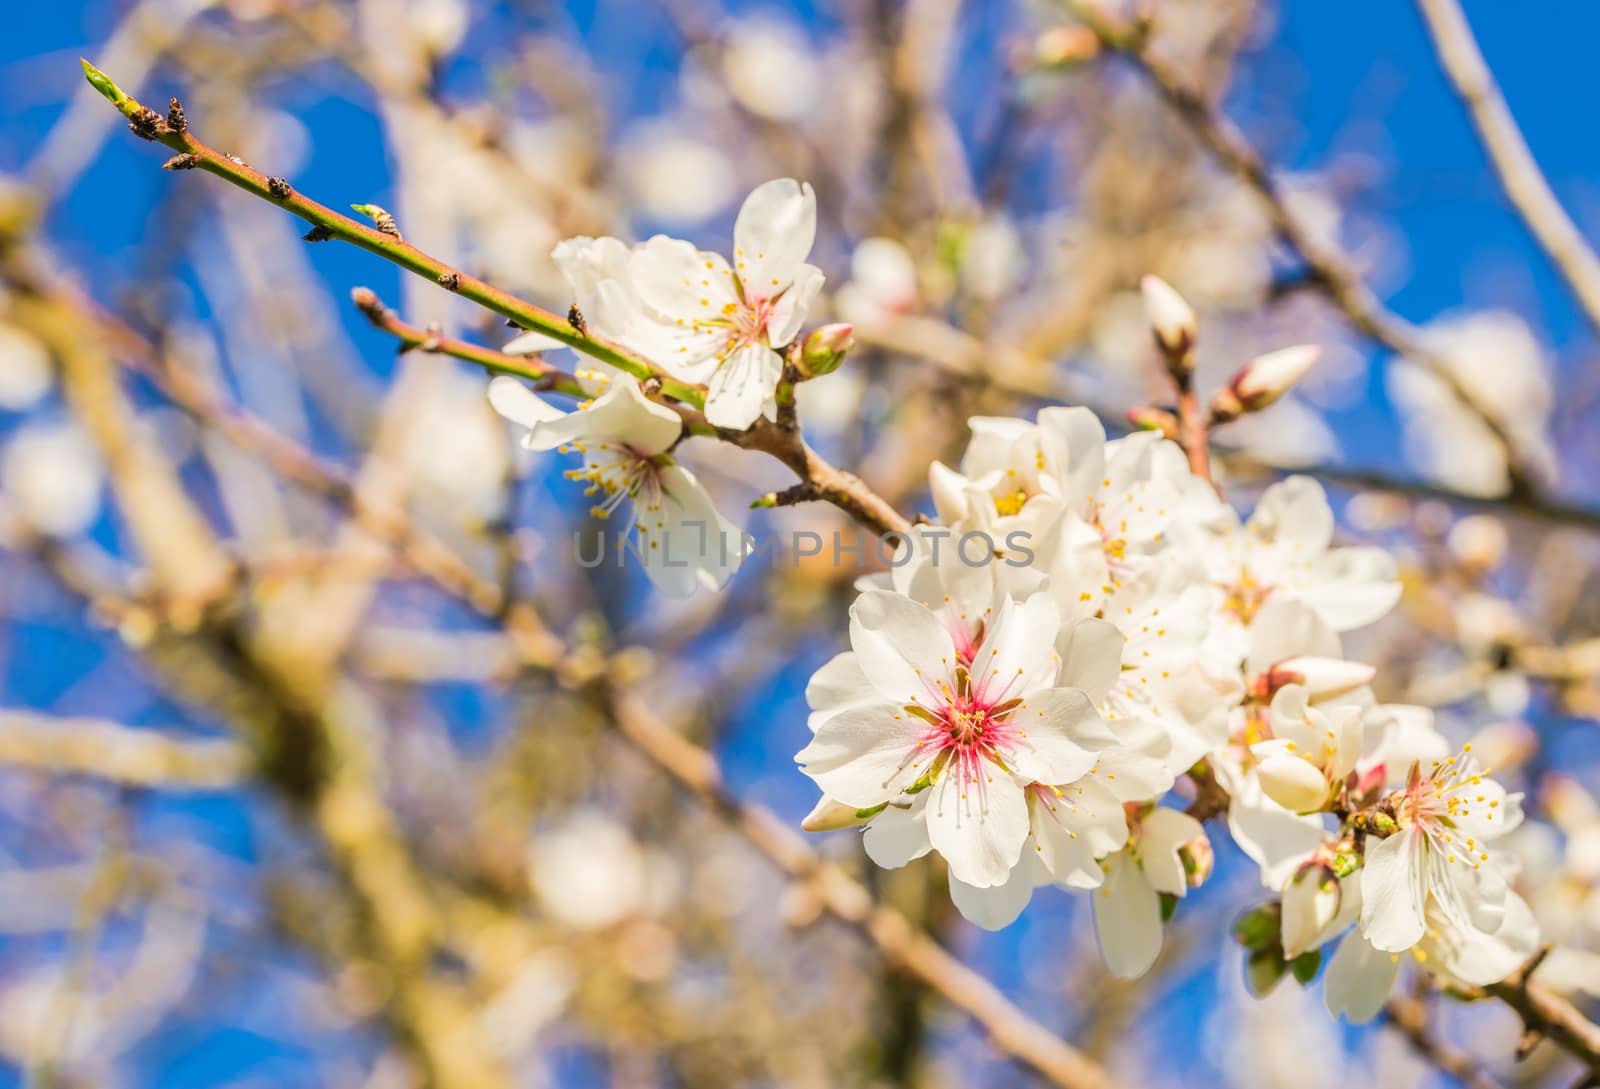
703	320
1027	721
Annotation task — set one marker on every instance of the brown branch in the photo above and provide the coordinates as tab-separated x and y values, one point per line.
1524	184
120	754
1410	1017
819	480
902	944
1332	270
1546	1015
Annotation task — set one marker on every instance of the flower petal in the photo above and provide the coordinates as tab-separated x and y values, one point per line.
897	836
1053	727
980	827
789	313
1394	892
995	907
685	542
1127	918
863	756
838	685
1161	833
902	647
519	404
773	235
1359	979
1018	654
742	385
1091	656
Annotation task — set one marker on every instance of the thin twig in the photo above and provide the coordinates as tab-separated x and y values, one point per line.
1409	1016
1332	271
906	947
1524	184
326	224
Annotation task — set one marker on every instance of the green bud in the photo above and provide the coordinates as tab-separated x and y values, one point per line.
825	348
1262	971
1169	906
103	83
1258	928
1305	966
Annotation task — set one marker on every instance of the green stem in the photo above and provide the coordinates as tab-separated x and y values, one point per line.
201	156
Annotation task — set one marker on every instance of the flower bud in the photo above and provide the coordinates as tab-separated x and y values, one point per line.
1323	678
1304	967
1172	321
1262	971
1198	859
1310	902
1065	46
830	816
1293	783
1258	927
1266	378
1479	541
825	348
1154	419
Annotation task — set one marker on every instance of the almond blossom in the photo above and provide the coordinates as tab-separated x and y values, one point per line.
1436	859
971	720
683	542
1284	551
704	319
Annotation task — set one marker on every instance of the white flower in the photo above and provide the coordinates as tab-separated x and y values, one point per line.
1072	827
624	438
705	321
1284	552
673	174
882	284
1123	507
771	69
25	373
54	475
1018	477
1310	752
1495	355
1436	861
1316	906
925	706
1160	677
1127	908
1360	975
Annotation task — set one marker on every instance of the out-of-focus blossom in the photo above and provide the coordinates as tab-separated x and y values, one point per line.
54	475
25	374
673	175
882	284
590	873
771	69
993	261
1496	356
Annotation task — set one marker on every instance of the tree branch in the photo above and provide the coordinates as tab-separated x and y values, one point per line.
1524	184
1329	267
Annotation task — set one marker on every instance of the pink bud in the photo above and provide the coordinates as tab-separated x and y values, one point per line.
1171	319
825	348
1266	378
